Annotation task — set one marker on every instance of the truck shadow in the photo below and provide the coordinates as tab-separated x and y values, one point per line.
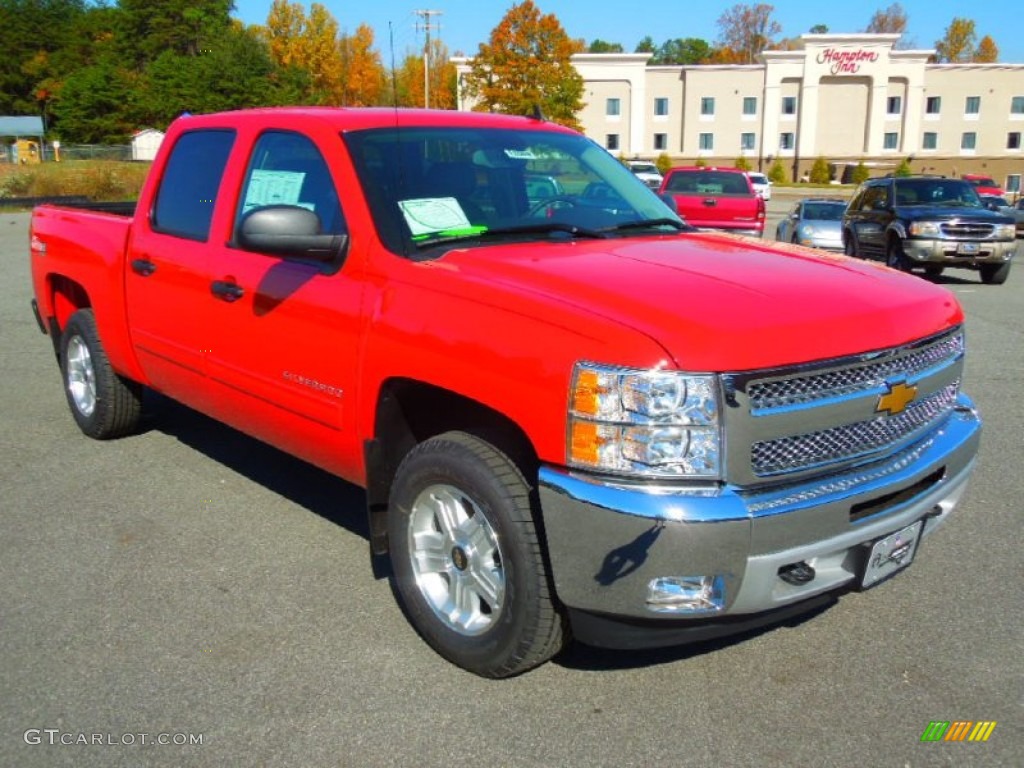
322	493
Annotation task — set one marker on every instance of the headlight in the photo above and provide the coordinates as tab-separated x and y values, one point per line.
807	230
925	228
1006	231
650	423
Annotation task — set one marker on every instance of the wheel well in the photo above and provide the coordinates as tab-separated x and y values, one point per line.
409	412
68	298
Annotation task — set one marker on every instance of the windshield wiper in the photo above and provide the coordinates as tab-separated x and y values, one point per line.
479	233
642	223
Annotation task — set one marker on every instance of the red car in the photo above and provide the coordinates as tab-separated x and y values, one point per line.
983	185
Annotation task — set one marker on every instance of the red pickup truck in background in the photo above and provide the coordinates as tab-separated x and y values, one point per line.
716	198
573	414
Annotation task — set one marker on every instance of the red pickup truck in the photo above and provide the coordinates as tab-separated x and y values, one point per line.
573	415
716	199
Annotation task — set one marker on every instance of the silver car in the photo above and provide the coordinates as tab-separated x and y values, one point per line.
815	222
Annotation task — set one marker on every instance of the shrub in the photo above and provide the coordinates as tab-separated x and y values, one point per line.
700	162
777	173
743	164
860	173
820	173
903	169
663	163
101	180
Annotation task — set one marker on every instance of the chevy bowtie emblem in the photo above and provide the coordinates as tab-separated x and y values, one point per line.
896	400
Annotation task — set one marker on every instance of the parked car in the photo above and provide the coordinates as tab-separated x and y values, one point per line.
762	184
983	185
716	198
816	222
928	222
648	173
1002	205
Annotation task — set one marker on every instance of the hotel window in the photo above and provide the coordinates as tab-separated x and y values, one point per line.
786	141
747	141
707	141
750	105
890	141
611	141
1017	105
789	105
1013	140
894	105
707	106
934	105
1012	183
969	140
931	141
661	107
613	107
661	141
972	105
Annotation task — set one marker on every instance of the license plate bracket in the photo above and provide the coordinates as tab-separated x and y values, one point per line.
968	249
890	554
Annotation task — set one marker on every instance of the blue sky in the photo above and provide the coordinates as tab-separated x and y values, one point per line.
464	24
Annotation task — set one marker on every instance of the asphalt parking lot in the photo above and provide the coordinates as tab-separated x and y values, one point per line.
192	584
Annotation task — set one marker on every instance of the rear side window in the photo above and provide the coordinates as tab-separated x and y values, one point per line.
188	190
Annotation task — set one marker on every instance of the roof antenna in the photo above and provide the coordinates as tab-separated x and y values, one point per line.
538	113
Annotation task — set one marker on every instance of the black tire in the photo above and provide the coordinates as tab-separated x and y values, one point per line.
104	404
467	559
934	270
994	274
895	258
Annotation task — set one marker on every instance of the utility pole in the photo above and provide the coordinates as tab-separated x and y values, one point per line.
428	26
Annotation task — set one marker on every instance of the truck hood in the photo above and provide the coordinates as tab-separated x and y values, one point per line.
719	302
933	212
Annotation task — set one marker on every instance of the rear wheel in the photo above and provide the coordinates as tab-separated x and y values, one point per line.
994	274
104	404
467	558
895	257
934	270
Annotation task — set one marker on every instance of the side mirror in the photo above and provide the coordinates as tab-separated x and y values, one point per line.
288	230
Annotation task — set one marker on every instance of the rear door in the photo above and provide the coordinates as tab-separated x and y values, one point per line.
870	220
166	287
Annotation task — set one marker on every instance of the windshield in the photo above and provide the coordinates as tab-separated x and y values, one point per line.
936	192
824	211
436	186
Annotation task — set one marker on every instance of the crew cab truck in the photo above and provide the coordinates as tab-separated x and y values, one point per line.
719	198
574	416
929	223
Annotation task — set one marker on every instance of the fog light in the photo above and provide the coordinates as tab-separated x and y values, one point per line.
686	594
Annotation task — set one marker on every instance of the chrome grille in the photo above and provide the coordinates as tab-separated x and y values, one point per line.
856	378
849	441
970	229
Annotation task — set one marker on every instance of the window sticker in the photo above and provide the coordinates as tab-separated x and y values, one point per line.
433	214
520	154
273	188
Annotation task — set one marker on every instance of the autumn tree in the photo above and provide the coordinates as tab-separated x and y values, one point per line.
987	51
525	65
362	71
892	20
958	44
409	79
747	30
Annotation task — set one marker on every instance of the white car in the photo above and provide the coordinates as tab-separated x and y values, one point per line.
648	173
762	185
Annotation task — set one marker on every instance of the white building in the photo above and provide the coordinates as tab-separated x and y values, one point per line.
846	98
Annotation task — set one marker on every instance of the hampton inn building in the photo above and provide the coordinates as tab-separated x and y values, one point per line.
847	98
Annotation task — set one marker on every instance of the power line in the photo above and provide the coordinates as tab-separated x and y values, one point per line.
427	26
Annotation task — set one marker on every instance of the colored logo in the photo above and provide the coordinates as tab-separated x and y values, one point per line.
896	400
958	730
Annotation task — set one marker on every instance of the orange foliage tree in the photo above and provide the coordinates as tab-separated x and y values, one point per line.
363	72
987	51
527	64
958	43
747	30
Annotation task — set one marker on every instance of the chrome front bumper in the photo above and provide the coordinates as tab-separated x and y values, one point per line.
945	252
608	542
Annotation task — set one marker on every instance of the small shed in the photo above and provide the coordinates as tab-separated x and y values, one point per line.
145	143
19	128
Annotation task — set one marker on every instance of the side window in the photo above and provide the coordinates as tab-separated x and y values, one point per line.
188	189
287	169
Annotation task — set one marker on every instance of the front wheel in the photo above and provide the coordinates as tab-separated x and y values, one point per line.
895	258
467	558
994	274
104	404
